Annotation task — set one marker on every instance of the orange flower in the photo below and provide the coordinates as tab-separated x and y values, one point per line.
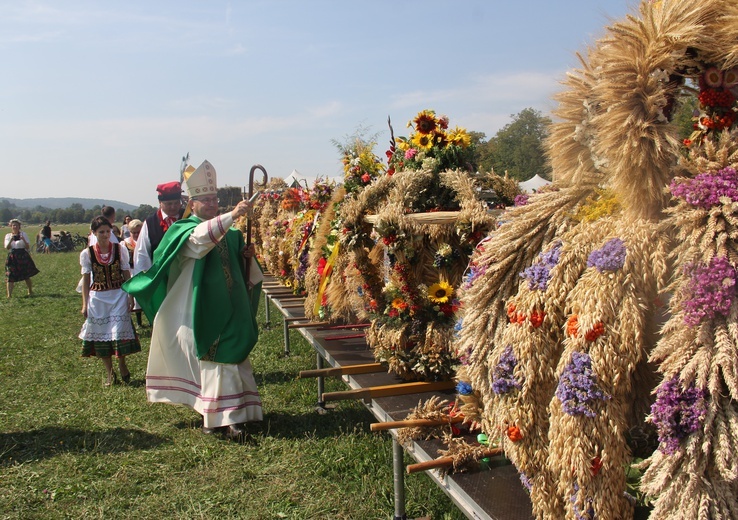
596	332
399	304
572	326
513	433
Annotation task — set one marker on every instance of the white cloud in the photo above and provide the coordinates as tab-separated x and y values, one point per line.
492	88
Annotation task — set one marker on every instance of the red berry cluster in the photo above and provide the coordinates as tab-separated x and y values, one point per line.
716	98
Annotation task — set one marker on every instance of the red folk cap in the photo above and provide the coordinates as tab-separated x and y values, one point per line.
169	191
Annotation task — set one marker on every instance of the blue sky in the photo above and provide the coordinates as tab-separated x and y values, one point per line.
101	99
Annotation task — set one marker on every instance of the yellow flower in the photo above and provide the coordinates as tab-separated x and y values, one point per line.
440	292
459	137
422	141
425	122
402	144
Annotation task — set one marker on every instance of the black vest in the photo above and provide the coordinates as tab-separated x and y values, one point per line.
153	227
106	277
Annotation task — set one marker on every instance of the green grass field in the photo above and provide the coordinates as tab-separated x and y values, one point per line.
70	448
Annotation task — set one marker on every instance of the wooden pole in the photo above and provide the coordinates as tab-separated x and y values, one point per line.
308	325
442	462
368	368
292	305
374	392
344	336
348	326
414	423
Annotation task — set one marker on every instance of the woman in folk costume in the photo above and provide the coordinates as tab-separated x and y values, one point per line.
19	266
204	312
108	329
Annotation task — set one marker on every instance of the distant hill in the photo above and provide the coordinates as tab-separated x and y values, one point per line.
65	202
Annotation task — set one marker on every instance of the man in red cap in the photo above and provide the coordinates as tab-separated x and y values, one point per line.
154	227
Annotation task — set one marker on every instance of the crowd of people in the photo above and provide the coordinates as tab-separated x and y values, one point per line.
192	275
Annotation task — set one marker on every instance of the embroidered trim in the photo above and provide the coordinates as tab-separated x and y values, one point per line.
213	239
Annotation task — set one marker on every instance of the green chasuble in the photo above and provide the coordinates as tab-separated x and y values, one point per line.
224	309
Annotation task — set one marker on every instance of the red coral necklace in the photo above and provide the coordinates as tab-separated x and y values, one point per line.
104	258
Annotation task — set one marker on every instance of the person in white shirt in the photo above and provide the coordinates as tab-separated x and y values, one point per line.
154	227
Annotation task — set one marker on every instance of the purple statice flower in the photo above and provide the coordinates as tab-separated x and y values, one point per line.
463	388
706	189
677	413
503	378
710	290
521	200
578	513
609	257
303	265
526	481
577	389
538	274
474	272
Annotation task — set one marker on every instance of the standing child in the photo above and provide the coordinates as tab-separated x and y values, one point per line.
108	328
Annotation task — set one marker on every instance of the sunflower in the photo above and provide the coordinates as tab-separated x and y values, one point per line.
425	122
422	141
440	292
459	137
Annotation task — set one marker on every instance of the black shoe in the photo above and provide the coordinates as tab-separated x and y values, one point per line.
126	378
235	432
209	431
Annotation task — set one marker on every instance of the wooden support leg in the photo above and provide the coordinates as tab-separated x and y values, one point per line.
286	338
399	480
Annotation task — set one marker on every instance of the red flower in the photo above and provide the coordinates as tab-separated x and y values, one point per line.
511	312
321	265
596	466
366	177
596	332
393	313
536	318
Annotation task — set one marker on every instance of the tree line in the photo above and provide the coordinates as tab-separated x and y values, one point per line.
228	197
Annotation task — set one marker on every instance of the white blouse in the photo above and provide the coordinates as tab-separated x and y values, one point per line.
16	244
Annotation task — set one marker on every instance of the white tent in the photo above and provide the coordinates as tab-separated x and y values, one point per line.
295	179
534	184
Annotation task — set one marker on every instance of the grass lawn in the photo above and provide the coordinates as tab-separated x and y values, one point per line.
70	448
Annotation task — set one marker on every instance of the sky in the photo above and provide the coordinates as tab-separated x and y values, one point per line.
102	99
